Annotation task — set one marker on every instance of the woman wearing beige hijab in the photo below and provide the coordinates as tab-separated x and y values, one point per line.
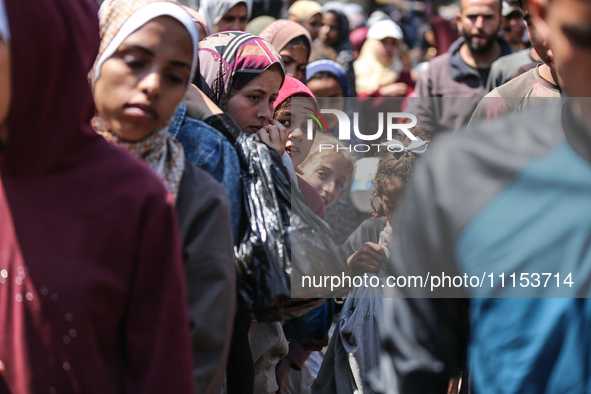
379	69
293	42
308	14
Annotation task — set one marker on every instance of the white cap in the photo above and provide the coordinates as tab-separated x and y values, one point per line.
385	28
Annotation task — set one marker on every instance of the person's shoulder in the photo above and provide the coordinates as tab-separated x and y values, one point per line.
518	86
373	224
516	57
438	69
523	135
311	195
200	129
199	183
438	63
198	193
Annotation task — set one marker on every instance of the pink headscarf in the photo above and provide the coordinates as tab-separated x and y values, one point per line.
292	87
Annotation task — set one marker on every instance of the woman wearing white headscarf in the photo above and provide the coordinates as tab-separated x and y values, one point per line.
146	61
225	15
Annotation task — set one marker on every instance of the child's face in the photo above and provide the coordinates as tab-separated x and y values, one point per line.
295	60
297	145
390	199
329	178
330	88
252	106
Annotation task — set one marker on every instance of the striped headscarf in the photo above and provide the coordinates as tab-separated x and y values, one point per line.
119	19
229	60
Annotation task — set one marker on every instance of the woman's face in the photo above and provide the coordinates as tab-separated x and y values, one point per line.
6	88
141	85
331	92
298	145
313	25
252	106
387	48
295	60
329	31
329	178
235	19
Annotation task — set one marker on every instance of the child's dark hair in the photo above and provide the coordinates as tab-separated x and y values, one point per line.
325	75
299	40
394	169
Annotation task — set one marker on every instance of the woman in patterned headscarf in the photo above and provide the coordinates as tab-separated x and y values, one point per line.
147	58
242	74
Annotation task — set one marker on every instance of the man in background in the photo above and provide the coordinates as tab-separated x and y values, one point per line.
449	90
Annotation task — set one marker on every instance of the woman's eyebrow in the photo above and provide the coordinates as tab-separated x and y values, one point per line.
287	58
181	64
143	49
284	113
151	53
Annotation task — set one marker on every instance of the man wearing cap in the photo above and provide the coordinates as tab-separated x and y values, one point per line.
449	90
513	25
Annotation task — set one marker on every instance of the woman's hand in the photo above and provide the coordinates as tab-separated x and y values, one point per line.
274	135
367	259
199	106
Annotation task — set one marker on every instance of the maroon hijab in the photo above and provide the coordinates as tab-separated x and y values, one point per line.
99	303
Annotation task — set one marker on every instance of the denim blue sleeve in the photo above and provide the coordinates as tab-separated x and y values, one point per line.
209	150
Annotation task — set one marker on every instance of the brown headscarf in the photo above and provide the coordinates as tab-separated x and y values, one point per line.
282	31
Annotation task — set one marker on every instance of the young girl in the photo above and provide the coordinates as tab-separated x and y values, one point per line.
298	145
148	57
242	74
294	44
326	79
328	170
354	348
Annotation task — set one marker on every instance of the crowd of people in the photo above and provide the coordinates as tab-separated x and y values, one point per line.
158	163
